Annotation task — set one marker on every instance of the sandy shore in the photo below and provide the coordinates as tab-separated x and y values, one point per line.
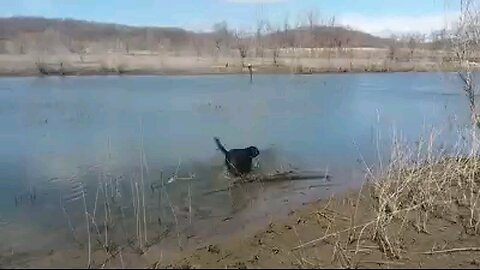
114	64
334	234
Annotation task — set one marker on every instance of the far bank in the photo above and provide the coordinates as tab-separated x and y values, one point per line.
121	64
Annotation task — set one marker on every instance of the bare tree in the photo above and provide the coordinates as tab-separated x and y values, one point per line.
242	45
21	43
197	46
3	45
413	41
286	33
221	35
150	40
332	21
51	42
466	40
412	44
274	41
312	17
259	46
164	45
392	48
439	40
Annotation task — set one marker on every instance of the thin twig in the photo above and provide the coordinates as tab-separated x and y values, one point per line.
383	262
351	228
464	249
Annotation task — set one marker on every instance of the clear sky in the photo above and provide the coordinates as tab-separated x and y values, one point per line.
374	16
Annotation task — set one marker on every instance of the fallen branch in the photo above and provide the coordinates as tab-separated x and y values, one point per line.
284	176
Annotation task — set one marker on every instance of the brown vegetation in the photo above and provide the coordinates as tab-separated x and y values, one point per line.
21	35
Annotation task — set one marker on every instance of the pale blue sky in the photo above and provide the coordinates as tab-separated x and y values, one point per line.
369	15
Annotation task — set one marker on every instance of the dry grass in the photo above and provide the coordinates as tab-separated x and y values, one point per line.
117	63
417	188
414	189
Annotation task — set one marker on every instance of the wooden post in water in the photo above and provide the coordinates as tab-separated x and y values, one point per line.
251	72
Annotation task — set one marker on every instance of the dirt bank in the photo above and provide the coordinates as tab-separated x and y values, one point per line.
333	234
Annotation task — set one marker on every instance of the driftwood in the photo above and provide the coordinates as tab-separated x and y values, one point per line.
282	176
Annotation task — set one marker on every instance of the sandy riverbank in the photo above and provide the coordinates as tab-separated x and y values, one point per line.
333	234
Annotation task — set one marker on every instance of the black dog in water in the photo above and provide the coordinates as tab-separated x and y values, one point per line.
238	161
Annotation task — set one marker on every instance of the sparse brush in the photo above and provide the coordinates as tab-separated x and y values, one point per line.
418	185
42	68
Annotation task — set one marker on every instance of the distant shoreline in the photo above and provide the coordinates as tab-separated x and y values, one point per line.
108	65
280	71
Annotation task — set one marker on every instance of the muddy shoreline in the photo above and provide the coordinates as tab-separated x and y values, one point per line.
334	234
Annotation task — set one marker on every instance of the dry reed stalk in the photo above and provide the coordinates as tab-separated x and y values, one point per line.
453	250
143	184
139	227
177	229
189	204
69	222
89	263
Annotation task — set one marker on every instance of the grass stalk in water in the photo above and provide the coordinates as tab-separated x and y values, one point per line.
177	230
136	212
143	186
189	204
139	227
89	263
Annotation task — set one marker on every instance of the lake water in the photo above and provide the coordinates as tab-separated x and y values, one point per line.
64	141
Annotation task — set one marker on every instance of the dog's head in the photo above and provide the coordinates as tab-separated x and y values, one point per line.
253	151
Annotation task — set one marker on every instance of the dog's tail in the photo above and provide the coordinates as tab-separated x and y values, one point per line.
220	146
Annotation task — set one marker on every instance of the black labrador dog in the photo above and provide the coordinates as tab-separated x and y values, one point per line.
238	161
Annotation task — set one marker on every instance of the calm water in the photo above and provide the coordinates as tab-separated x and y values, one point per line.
59	136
